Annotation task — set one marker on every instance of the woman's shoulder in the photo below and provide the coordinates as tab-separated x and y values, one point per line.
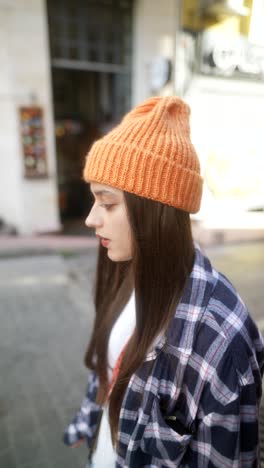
228	315
223	319
212	325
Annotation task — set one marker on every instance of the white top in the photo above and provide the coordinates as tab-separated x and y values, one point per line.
121	332
105	456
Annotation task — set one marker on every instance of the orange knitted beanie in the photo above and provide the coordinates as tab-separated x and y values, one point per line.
150	154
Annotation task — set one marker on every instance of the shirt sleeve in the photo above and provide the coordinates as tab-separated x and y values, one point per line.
84	423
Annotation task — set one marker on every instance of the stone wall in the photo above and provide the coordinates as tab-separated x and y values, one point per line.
30	205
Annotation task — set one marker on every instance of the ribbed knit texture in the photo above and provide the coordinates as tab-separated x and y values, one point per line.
150	154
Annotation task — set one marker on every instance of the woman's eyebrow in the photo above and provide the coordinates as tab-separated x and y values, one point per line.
100	193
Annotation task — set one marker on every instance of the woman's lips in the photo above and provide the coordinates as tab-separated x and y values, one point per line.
103	240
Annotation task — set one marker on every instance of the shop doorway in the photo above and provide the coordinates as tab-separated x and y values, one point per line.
84	111
90	44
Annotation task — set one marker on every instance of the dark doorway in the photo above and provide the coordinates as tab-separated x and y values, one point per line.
90	45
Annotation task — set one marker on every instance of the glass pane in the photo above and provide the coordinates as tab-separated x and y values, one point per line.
93	30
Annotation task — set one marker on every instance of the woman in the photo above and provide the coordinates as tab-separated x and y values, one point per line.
176	360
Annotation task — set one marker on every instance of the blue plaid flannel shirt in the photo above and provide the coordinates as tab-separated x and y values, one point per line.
195	400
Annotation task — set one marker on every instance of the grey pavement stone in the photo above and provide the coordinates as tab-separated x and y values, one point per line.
37	464
7	459
21	424
4	434
29	449
38	269
43	335
45	411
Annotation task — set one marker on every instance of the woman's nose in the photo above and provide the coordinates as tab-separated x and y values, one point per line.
93	219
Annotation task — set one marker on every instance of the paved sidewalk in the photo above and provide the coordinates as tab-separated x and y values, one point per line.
15	246
46	316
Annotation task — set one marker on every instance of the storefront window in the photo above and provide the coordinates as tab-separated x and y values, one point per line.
98	31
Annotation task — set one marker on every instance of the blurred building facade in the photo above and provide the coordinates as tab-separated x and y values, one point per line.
221	49
72	68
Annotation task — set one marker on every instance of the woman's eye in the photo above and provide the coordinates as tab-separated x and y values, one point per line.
107	207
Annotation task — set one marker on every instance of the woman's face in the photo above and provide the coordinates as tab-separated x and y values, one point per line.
108	217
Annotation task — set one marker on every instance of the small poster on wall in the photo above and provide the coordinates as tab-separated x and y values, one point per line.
33	142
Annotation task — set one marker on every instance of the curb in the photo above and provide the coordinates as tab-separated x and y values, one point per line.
12	246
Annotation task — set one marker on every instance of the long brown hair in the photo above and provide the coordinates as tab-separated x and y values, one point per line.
162	259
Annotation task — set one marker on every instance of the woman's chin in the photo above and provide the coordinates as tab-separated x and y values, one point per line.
118	256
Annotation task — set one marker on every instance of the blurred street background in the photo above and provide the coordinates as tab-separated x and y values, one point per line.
70	69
